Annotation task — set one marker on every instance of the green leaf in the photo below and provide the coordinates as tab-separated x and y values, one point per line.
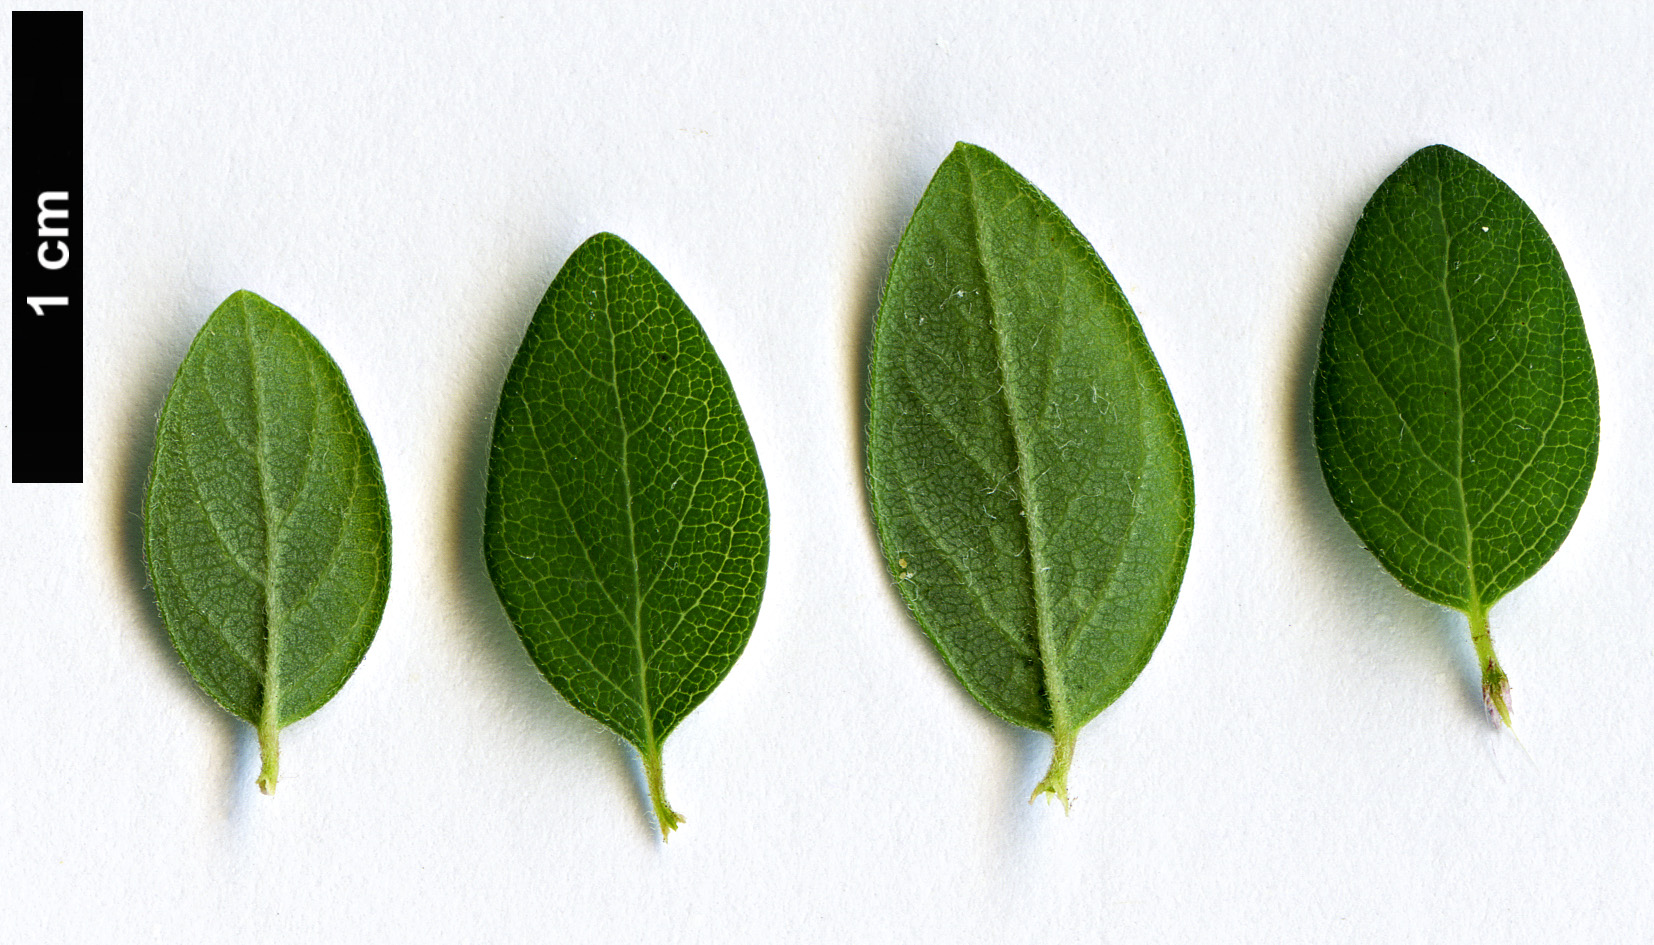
266	530
1030	480
627	526
1455	400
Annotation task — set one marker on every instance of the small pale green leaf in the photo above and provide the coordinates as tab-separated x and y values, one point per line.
1030	479
627	523
266	530
1455	400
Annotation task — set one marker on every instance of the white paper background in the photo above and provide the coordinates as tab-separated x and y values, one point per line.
1304	760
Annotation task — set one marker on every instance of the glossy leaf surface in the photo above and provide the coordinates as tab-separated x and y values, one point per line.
1455	399
266	528
627	524
1030	479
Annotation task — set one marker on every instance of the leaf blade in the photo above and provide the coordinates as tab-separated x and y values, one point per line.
266	526
1029	477
1455	400
627	523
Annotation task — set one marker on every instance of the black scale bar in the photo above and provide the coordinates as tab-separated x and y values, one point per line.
46	259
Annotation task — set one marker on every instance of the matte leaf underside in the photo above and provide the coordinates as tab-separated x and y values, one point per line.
627	523
1029	475
266	528
1455	400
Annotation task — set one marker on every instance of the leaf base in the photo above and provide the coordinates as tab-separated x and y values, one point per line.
1055	782
1496	693
269	750
1495	684
668	818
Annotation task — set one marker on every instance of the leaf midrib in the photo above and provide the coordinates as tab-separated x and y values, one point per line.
649	748
1055	691
1474	597
272	610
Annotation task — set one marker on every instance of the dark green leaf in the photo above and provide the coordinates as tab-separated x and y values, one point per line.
627	527
1030	479
266	530
1456	401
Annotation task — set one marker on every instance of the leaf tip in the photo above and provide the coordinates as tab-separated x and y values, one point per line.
1441	150
975	154
605	243
241	300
